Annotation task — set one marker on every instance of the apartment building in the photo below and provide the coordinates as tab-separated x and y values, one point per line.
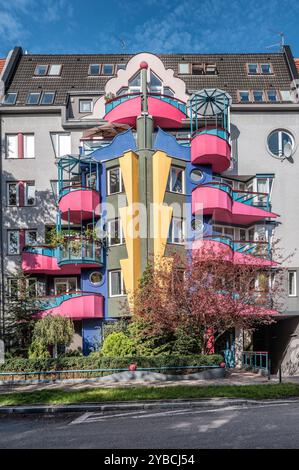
85	137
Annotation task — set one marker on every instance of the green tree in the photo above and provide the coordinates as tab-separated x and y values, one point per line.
51	331
118	345
21	307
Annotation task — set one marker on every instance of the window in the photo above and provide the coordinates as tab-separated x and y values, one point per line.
116	283
135	83
28	143
272	95
10	98
120	67
168	91
280	143
33	98
55	69
252	69
156	85
196	176
61	143
176	231
32	286
13	242
107	69
258	96
85	106
13	287
114	181
30	237
11	145
95	278
292	283
115	232
244	96
184	68
29	189
41	70
65	285
12	194
266	69
48	97
176	179
94	69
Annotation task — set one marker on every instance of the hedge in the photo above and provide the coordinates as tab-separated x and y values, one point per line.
98	362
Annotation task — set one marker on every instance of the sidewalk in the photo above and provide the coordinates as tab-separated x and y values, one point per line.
234	377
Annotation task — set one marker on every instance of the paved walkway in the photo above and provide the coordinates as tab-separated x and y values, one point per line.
234	377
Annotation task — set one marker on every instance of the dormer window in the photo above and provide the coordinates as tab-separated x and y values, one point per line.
55	69
94	69
198	69
252	69
85	106
211	69
41	70
107	69
10	98
184	68
156	84
266	69
135	83
48	97
33	98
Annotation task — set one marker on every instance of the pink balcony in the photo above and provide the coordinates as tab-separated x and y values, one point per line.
211	149
79	204
77	306
220	204
167	111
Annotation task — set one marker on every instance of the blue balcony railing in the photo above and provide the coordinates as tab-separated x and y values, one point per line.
255	360
245	197
255	248
167	99
80	251
41	250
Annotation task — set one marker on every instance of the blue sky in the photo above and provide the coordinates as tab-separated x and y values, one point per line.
98	26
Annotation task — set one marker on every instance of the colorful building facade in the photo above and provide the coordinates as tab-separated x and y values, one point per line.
109	161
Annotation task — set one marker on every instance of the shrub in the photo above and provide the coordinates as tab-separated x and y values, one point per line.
118	344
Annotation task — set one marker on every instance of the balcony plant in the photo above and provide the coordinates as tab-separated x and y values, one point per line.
109	97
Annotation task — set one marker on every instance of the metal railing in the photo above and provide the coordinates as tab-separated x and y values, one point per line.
52	301
129	96
80	250
255	360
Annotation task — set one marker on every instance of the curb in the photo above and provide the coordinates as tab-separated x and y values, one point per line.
214	402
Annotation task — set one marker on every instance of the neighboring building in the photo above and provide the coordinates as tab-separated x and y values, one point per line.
79	131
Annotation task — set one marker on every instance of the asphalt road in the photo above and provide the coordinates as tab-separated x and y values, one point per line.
233	427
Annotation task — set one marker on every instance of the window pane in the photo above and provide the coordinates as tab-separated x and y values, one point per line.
12	194
273	143
114	232
30	194
258	96
168	91
29	146
10	98
115	283
244	96
114	181
120	66
94	69
178	235
272	95
30	237
48	97
62	144
85	106
175	180
12	146
154	80
33	98
107	69
55	69
265	68
41	70
184	68
135	81
252	68
13	242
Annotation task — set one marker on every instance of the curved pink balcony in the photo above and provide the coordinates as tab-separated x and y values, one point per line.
76	306
80	204
208	200
166	111
43	260
210	149
222	248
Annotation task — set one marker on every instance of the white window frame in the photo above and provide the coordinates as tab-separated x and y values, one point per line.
244	91
10	93
7	153
26	185
258	91
33	93
54	74
41	74
9	232
188	66
170	238
8	184
120	181
122	284
55	137
107	74
25	148
9	287
94	74
47	93
170	183
280	149
83	100
65	280
109	232
270	67
294	272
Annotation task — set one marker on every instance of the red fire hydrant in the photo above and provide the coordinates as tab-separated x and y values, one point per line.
132	367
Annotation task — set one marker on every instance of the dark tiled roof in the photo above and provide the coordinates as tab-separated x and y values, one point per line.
232	73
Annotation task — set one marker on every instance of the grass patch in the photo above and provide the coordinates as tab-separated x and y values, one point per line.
99	395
